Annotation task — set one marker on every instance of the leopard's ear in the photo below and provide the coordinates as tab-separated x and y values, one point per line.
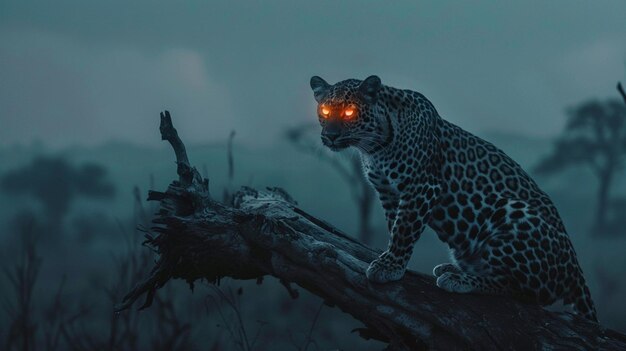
369	88
320	87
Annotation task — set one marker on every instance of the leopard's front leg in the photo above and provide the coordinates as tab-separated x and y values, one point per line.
410	218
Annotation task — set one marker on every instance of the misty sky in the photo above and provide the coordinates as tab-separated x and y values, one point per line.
86	72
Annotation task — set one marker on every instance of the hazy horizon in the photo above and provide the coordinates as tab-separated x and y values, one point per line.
77	73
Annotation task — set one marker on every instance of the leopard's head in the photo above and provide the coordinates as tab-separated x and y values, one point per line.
350	114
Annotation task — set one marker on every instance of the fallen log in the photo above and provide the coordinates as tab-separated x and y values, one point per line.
266	233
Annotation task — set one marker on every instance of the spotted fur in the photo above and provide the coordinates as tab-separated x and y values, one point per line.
504	233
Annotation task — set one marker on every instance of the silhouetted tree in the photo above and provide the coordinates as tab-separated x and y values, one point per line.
22	277
352	173
595	135
227	193
56	184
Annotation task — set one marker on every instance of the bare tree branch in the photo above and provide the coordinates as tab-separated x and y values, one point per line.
266	233
361	190
231	163
620	88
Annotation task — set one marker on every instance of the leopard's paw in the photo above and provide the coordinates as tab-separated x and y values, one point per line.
384	269
454	283
445	267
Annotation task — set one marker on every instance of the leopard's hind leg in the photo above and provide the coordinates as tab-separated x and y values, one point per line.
579	299
534	259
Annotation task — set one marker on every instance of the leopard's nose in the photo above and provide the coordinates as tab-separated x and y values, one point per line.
331	135
332	131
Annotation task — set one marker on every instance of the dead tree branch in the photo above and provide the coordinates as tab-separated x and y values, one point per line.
363	193
266	233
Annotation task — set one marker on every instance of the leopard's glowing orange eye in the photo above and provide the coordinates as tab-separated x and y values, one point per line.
325	111
348	112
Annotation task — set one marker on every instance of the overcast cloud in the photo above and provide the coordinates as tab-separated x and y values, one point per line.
86	72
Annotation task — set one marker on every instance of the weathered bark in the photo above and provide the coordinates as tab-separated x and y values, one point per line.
266	233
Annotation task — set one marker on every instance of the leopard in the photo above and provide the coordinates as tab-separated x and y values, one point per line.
504	234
